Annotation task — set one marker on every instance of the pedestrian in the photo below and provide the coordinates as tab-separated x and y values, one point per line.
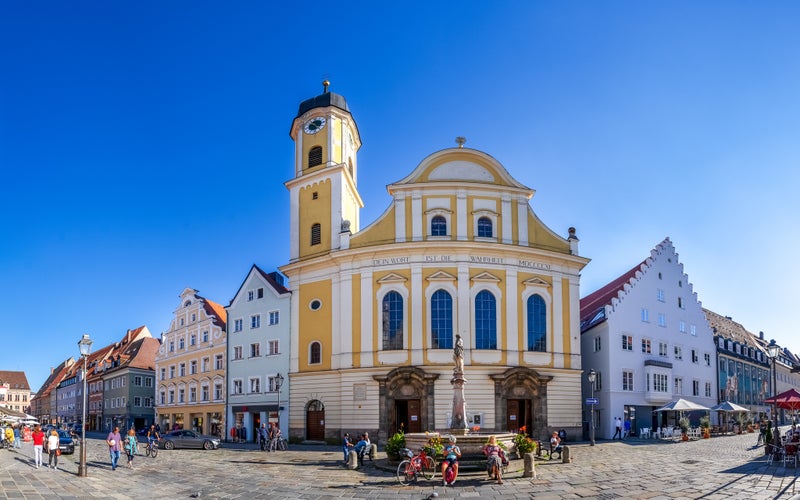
262	437
113	440
627	428
38	444
17	435
131	447
618	426
346	445
53	450
276	436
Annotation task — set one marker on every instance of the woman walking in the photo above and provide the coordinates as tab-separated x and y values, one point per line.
53	450
131	447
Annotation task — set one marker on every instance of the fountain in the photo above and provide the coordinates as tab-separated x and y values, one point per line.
470	442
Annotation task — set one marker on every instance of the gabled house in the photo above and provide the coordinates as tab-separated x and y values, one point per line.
258	353
129	386
43	404
190	366
647	339
15	392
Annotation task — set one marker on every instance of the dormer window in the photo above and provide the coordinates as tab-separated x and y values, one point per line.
315	156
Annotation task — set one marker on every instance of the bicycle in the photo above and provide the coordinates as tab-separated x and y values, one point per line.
151	450
414	466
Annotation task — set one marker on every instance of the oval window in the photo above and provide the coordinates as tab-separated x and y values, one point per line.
315	304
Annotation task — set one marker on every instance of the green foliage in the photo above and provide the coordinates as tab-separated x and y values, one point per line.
705	422
395	444
684	425
524	444
434	447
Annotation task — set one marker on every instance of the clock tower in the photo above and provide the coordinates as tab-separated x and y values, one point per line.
324	201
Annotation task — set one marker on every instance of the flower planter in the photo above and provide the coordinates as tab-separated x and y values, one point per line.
684	437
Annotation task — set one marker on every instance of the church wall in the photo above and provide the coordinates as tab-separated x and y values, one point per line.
315	325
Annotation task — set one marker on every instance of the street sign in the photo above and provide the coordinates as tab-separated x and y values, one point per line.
592	401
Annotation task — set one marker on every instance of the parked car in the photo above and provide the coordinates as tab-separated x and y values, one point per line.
66	444
188	439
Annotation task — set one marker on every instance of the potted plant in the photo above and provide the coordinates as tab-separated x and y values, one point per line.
523	444
683	423
434	446
740	422
705	424
395	444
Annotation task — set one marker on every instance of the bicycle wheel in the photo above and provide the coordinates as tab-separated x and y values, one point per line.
153	451
147	451
406	472
428	468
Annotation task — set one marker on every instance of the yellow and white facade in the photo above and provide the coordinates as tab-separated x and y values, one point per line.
375	311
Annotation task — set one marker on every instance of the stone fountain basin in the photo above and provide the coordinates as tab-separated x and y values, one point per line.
471	444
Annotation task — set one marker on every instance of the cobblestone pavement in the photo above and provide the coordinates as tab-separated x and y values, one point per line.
717	468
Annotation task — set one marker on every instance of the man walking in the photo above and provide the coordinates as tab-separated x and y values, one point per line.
618	425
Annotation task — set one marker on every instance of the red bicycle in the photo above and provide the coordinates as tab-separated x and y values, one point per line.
414	466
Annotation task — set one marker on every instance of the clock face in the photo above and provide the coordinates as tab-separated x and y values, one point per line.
314	125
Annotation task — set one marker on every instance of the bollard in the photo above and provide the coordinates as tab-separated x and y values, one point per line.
373	452
565	455
530	465
352	460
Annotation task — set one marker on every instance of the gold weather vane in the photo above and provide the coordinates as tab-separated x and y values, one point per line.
325	84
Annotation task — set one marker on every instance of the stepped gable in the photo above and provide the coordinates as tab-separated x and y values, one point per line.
593	305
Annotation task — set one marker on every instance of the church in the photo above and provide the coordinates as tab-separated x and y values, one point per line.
376	309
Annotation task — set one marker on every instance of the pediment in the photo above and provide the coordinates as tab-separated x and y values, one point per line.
441	276
393	278
538	282
486	277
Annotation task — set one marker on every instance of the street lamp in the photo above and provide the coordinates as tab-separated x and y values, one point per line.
592	377
85	346
772	350
278	385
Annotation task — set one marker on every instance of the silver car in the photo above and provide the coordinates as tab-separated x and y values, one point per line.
188	439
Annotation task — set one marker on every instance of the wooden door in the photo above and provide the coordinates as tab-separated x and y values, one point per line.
414	416
315	425
512	415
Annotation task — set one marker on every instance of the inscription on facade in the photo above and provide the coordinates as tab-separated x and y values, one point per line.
476	259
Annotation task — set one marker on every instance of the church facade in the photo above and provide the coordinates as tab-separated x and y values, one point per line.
376	310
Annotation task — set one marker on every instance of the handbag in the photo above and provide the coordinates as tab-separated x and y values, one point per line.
58	452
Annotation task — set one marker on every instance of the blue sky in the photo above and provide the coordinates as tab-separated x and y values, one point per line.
144	145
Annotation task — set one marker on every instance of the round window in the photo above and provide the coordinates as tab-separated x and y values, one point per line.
315	304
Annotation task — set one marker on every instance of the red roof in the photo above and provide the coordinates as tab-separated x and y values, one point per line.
214	309
597	300
15	380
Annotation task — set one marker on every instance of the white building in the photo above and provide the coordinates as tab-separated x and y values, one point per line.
647	338
258	353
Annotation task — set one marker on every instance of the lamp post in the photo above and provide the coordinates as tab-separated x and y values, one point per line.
278	385
85	347
772	351
592	377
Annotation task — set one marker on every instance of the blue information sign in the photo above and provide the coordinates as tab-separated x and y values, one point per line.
592	401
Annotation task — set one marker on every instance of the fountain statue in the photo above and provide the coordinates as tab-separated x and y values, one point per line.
458	421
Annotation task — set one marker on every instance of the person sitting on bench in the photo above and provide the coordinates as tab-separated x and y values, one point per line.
555	444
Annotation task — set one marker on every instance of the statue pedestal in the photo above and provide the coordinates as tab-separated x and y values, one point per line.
458	420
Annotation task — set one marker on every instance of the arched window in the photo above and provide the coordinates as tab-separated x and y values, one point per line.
315	353
316	234
537	324
438	226
485	227
315	156
441	320
392	321
485	321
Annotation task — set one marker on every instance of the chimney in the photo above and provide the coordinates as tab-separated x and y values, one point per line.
761	335
52	370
